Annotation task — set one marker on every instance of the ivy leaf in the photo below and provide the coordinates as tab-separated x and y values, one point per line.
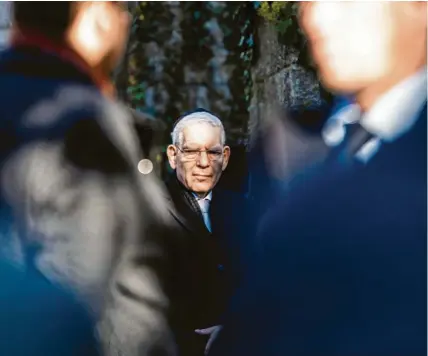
139	96
282	26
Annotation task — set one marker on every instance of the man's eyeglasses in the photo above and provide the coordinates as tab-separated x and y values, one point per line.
191	155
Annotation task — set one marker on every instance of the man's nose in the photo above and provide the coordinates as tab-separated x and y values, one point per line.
203	160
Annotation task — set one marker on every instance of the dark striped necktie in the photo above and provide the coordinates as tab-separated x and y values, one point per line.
356	136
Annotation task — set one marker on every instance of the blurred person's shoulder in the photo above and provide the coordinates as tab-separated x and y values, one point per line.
96	130
309	195
44	98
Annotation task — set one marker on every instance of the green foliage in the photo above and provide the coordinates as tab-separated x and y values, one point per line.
242	54
149	77
243	17
158	84
139	11
272	10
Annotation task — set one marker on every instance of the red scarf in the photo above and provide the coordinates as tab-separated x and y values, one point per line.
24	38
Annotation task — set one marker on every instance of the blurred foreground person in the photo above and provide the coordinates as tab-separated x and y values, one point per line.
40	319
209	229
70	208
287	145
343	264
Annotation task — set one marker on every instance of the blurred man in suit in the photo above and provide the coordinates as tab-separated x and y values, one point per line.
343	269
209	224
70	208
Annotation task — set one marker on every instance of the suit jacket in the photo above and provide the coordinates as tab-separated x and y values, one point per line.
71	200
205	265
344	266
284	149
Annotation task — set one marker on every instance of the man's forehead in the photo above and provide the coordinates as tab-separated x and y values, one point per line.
209	137
201	131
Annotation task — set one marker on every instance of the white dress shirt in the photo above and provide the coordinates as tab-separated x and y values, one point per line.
391	116
204	204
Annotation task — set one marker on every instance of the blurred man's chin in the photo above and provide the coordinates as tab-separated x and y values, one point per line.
337	83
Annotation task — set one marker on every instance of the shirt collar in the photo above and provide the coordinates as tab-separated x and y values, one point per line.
208	197
391	116
397	110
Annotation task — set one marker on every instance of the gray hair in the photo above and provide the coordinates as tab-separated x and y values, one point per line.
196	118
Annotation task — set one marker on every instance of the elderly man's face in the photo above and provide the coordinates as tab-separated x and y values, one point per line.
201	158
356	43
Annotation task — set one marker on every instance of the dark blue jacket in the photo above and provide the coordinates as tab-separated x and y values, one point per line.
343	270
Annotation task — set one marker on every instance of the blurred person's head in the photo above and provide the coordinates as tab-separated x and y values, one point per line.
198	153
97	31
364	48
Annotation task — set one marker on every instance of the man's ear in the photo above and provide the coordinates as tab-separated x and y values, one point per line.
226	156
171	152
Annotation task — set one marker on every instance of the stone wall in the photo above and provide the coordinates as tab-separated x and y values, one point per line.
186	54
278	81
